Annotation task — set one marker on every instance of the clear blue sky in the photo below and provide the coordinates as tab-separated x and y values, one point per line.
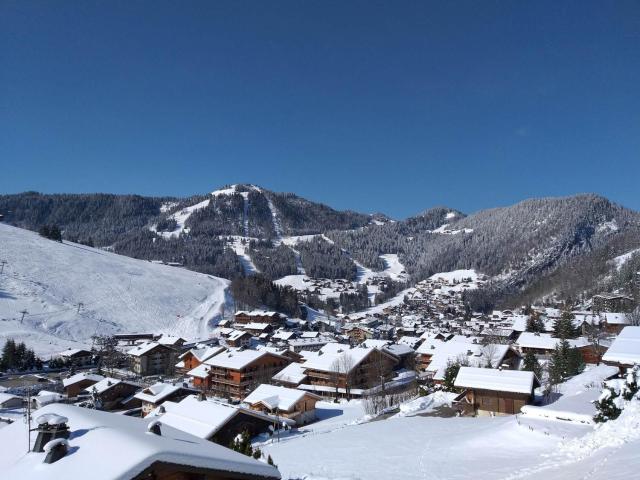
375	106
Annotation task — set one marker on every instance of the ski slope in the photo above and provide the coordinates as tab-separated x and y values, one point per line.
71	292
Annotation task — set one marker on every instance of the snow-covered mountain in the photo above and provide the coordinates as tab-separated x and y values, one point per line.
69	292
530	249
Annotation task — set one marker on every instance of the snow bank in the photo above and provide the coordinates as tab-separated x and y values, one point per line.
426	404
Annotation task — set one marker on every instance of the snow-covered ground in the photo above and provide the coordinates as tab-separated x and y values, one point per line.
426	404
240	250
411	446
620	260
414	448
328	288
455	275
576	397
181	218
445	230
71	292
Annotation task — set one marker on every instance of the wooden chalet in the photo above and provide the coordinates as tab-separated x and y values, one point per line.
491	391
235	374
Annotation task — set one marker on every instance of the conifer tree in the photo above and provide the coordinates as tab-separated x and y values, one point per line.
607	406
532	364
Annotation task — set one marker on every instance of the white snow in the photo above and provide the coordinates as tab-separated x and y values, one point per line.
181	218
445	230
515	381
625	348
273	397
426	404
72	292
620	260
105	446
455	275
240	245
576	397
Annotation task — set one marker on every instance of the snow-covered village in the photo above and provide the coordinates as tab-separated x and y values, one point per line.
284	240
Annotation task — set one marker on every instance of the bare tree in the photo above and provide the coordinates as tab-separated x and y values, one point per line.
633	317
334	375
346	365
490	354
596	334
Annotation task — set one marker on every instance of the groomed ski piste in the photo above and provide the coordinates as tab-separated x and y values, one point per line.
70	292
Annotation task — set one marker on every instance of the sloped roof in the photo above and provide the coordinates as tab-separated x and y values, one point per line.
514	381
237	360
273	397
203	418
137	449
625	349
79	377
292	373
471	353
144	348
338	358
157	392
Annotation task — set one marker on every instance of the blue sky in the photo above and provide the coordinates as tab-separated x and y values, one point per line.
373	106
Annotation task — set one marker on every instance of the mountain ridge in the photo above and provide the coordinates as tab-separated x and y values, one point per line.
229	231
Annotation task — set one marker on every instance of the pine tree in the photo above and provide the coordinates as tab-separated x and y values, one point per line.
532	364
535	323
575	363
242	444
9	354
450	375
606	406
630	386
563	327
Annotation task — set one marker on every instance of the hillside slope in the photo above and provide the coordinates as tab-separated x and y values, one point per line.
71	292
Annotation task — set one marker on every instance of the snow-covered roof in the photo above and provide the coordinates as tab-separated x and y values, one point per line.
73	351
255	313
273	397
7	396
625	349
545	341
292	373
119	447
143	349
338	358
428	347
398	349
471	353
105	384
237	360
204	352
201	371
157	392
515	381
309	335
79	377
202	418
237	334
410	341
283	335
256	326
45	397
170	340
373	343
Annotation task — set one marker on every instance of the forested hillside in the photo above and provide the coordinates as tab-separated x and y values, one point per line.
538	247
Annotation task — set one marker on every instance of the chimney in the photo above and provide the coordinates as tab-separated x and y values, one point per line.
154	427
56	449
50	427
